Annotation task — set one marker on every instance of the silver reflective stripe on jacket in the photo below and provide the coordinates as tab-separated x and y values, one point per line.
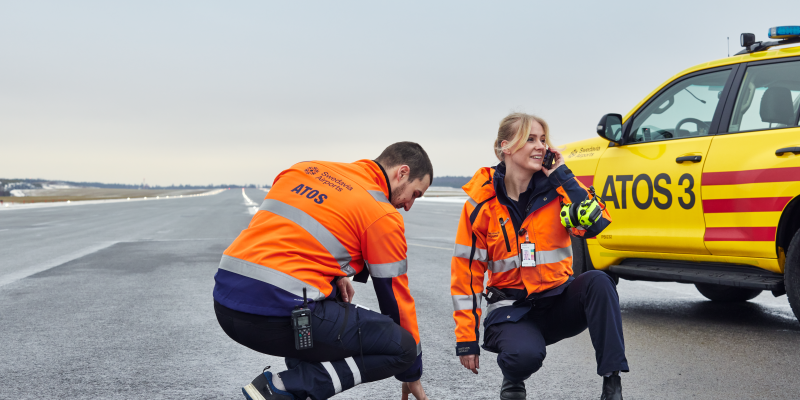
501	303
379	195
508	264
462	251
313	227
268	275
464	301
419	348
553	256
473	202
388	270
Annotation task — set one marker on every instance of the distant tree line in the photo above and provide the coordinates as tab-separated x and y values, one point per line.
451	181
7	185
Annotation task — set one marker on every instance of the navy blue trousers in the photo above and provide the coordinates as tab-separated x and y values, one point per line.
335	363
591	301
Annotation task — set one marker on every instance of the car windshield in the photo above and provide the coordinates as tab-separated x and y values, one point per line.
683	110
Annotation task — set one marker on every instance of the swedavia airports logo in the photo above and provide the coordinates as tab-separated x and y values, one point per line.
312	170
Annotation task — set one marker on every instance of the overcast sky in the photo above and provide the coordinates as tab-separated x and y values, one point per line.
200	92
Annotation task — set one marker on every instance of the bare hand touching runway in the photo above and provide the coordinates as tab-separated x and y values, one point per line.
414	388
470	362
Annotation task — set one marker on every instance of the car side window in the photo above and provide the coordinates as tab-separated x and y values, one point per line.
683	110
768	98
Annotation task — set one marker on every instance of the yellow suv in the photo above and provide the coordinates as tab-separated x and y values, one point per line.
702	178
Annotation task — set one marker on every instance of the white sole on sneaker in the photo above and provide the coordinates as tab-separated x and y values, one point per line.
253	393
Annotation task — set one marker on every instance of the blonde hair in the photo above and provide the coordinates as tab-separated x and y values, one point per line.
515	128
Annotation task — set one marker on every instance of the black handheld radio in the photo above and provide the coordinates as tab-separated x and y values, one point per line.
301	322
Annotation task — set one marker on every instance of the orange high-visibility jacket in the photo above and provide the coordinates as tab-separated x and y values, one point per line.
488	242
320	221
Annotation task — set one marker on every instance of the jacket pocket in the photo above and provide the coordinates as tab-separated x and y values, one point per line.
505	234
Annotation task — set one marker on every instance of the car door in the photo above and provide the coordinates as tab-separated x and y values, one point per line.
651	182
753	166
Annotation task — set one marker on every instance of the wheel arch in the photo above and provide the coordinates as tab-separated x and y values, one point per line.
787	227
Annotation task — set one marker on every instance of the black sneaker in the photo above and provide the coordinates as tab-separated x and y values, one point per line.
512	391
262	389
612	387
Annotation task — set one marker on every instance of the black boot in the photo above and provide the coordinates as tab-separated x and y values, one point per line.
612	387
512	391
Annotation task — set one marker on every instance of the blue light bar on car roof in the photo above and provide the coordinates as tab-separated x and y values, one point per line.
784	32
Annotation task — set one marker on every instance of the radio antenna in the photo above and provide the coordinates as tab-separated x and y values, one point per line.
729	46
305	299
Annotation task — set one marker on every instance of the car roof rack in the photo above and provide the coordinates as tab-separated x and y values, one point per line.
786	34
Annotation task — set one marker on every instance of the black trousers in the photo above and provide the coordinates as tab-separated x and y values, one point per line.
591	301
335	363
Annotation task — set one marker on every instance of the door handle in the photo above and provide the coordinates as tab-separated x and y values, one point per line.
689	158
780	152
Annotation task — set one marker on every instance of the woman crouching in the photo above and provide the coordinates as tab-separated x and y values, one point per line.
511	227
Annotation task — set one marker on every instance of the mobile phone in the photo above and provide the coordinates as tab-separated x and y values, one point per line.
547	161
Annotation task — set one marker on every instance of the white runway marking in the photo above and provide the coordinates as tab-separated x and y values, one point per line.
34	269
431	247
252	207
454	199
28	206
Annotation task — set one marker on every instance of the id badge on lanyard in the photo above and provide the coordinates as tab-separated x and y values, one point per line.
527	252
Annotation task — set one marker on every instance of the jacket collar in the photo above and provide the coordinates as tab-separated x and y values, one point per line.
539	183
378	175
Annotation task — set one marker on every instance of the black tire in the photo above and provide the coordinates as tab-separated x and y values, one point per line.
582	262
579	255
727	294
791	274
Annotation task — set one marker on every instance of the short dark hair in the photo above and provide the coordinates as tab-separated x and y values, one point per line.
407	153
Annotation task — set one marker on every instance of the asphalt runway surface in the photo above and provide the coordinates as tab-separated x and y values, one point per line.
114	301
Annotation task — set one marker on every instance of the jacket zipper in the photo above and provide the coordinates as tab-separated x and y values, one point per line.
505	234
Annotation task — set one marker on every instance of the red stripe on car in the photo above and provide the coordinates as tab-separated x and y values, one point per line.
751	176
759	204
586	180
741	234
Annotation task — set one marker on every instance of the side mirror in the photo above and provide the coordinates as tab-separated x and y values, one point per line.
610	128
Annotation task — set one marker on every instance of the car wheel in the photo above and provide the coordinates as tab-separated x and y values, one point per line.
578	256
582	261
726	294
791	274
